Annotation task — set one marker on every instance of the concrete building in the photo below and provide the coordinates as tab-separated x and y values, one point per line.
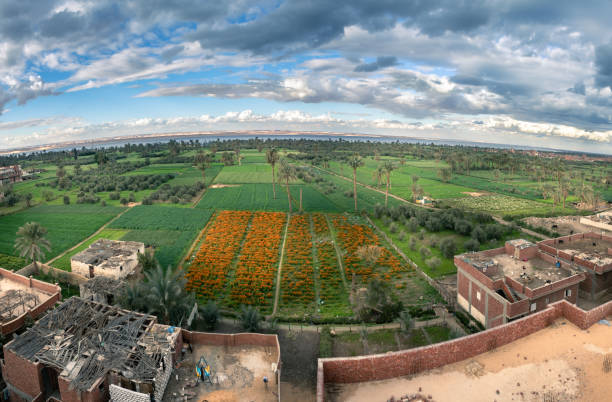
592	254
602	221
21	297
87	351
110	258
10	174
500	285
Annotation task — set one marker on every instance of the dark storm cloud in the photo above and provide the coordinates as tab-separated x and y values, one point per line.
381	62
496	87
603	63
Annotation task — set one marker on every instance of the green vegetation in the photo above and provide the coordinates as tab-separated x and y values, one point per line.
12	263
67	225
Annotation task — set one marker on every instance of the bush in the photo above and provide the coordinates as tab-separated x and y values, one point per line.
210	315
124	201
402	235
463	227
393	227
472	245
412	243
48	195
413	225
433	241
66	200
433	262
114	196
448	247
422	234
250	318
424	251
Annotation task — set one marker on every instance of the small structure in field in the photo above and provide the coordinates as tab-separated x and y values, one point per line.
425	200
110	258
10	174
101	289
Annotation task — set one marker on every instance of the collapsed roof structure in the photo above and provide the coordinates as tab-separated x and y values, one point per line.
84	341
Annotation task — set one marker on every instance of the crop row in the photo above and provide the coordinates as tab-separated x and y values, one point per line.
208	273
298	272
258	260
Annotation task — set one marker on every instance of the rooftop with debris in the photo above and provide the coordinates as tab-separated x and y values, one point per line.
85	340
17	298
108	253
533	273
592	250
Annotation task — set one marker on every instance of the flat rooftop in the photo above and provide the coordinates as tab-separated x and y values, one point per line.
108	251
593	250
530	369
534	272
17	298
238	373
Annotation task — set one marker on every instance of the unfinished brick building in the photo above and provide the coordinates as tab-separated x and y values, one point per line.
86	351
110	258
592	254
500	285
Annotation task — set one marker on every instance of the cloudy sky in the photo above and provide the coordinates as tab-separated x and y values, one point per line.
524	72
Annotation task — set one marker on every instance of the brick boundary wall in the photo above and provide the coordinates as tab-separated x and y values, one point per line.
55	295
64	276
252	339
413	361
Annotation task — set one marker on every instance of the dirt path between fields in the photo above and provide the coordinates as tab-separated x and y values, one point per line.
280	267
94	234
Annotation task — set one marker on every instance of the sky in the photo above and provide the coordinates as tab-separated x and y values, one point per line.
526	72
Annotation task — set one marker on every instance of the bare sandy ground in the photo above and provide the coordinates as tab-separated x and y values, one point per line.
474	194
560	363
219	185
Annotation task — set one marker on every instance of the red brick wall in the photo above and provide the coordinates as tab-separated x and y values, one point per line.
412	361
21	373
562	284
528	253
463	285
67	394
495	307
476	274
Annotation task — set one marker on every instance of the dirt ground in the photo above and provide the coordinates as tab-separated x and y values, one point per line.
237	375
299	353
558	364
565	224
474	194
219	185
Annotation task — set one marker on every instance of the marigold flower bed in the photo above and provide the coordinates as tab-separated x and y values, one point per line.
258	260
208	273
351	236
297	272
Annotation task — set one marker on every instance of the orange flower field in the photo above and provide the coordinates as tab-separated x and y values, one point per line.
298	273
208	273
351	236
258	260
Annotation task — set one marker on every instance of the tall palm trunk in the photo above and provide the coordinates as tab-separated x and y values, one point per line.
387	192
355	187
273	182
288	196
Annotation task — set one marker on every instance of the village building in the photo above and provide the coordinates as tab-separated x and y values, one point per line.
88	351
500	285
110	258
22	297
10	174
101	289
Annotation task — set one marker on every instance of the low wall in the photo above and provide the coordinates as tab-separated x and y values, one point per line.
61	275
413	361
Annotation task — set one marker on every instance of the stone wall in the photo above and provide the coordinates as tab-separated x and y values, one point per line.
61	275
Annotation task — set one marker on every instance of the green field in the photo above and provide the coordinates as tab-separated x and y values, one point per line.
66	225
170	230
247	173
506	205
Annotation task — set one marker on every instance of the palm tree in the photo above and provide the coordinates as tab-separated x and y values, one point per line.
286	173
389	167
415	180
355	162
202	161
250	318
272	158
147	261
378	174
166	296
31	240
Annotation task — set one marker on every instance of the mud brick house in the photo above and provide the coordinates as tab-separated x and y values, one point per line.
10	174
110	258
592	254
500	285
81	349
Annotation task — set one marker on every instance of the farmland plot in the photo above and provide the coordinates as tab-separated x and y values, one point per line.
67	225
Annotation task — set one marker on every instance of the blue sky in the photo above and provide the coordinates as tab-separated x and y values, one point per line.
517	72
